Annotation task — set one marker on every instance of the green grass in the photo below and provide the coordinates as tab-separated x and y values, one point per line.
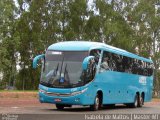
18	90
156	97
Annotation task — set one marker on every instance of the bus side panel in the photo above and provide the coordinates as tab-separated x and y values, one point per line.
148	95
120	87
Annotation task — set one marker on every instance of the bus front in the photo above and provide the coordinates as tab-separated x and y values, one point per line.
62	81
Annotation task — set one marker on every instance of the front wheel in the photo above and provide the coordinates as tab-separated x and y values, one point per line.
96	104
59	106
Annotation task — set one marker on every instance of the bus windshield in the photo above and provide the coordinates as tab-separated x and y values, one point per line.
63	69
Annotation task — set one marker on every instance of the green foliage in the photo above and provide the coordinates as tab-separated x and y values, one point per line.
28	29
144	15
9	41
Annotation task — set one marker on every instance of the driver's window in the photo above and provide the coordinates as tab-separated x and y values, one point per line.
96	53
89	74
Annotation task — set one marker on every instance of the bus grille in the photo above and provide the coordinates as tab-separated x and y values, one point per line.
58	94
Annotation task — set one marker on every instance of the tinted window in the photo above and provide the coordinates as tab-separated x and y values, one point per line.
115	62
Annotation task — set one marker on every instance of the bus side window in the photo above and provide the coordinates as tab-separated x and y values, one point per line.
145	71
118	60
112	62
105	61
140	68
135	66
126	64
150	69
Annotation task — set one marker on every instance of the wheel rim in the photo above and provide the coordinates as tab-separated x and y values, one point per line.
97	103
141	100
136	102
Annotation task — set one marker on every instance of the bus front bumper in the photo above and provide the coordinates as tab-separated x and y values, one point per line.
77	99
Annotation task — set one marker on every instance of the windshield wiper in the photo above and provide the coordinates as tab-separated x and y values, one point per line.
61	68
55	72
51	79
66	76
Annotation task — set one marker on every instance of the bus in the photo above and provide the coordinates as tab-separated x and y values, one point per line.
93	74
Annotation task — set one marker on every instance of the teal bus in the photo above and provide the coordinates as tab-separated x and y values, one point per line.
93	74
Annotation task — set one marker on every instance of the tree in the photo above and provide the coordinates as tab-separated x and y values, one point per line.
144	20
9	40
29	27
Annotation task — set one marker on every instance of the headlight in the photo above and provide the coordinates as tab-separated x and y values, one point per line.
79	92
42	91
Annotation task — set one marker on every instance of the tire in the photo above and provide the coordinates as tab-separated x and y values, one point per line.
59	107
140	101
96	106
135	103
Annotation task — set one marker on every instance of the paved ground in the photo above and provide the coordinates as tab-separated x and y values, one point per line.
28	109
34	107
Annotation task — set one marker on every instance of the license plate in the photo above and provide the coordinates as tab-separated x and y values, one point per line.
57	100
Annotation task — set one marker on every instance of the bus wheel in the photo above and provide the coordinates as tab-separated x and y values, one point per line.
96	104
59	106
135	103
140	101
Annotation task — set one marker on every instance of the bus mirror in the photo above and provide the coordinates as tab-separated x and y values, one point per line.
36	59
86	62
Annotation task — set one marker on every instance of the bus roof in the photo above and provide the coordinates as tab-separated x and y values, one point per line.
87	45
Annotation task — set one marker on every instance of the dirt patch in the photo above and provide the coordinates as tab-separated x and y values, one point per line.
18	94
156	99
19	99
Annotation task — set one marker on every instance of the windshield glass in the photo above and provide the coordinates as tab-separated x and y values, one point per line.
63	69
